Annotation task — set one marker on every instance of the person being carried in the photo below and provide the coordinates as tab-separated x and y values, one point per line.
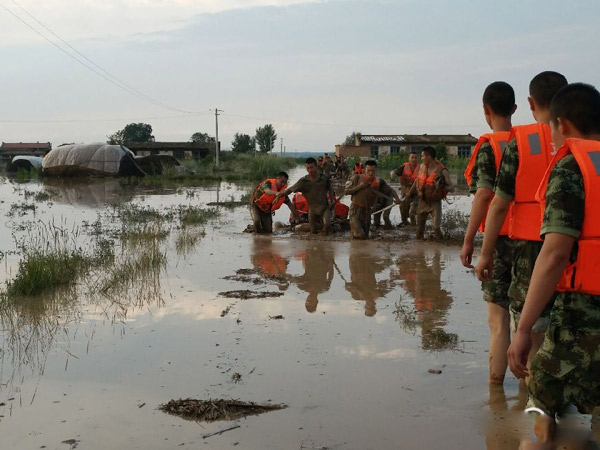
408	174
498	108
265	200
365	189
524	162
566	369
317	190
432	185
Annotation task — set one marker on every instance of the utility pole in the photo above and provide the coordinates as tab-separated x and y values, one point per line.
281	149
217	111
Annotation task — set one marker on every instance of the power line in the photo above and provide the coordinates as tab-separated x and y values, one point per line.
99	71
113	119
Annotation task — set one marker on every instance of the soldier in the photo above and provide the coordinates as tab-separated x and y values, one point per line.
365	189
315	186
498	107
523	165
432	185
265	200
566	369
409	202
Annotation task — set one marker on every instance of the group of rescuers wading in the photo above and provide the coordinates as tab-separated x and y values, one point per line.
423	187
536	197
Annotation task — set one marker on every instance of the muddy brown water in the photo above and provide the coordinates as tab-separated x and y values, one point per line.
362	325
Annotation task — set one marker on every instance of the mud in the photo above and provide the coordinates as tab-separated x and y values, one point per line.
245	294
216	409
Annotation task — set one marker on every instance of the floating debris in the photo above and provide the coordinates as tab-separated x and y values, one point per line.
226	311
236	377
439	339
435	371
218	409
277	317
245	294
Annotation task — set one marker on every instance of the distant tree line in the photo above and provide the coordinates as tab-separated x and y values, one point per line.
265	137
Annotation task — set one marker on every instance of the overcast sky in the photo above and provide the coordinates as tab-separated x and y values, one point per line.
317	70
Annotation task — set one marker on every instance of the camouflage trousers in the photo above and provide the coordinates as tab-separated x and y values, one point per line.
566	370
525	254
496	290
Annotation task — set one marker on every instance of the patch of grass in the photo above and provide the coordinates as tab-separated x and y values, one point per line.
194	215
454	224
40	271
20	209
439	339
187	240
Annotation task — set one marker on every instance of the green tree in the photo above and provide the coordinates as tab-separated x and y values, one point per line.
134	132
243	143
202	138
350	140
441	152
265	138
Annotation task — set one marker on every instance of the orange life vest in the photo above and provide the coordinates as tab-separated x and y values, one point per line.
535	147
409	175
498	142
375	183
582	275
300	203
271	264
426	182
265	201
358	167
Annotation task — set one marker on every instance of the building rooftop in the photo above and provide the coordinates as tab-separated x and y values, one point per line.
25	145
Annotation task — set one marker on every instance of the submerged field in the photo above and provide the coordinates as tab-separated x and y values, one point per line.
154	296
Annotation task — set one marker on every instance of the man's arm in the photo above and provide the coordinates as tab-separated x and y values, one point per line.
331	195
355	186
505	192
478	211
388	190
495	219
297	187
448	181
292	209
548	269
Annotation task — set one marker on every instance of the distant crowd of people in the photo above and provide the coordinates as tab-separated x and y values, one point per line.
315	202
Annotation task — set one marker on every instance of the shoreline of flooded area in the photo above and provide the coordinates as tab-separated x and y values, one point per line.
377	344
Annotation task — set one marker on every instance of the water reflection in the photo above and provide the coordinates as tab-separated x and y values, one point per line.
93	192
364	268
422	275
318	262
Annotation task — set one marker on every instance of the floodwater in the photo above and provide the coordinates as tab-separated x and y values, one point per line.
382	344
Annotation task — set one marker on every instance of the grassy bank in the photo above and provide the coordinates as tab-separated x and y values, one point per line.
234	167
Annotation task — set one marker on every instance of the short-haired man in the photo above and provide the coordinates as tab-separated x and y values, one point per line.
408	174
365	189
432	185
567	367
315	186
265	200
524	162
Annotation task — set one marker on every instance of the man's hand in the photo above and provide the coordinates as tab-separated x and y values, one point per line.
278	196
517	353
466	255
485	268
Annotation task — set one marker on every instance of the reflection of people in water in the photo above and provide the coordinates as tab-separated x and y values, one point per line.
317	261
422	280
269	262
363	284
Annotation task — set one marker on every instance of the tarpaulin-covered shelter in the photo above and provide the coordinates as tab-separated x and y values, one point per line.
24	162
91	159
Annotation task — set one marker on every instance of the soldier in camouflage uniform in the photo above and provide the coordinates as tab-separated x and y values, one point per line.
567	366
542	88
499	106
